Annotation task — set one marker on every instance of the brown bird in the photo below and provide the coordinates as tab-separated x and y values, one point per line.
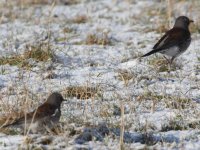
46	115
175	41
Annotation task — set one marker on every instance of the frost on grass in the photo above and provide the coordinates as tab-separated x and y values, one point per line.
89	51
41	52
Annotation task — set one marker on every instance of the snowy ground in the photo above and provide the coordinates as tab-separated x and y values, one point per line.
96	45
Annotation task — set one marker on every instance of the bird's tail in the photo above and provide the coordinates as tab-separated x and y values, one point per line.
151	52
6	124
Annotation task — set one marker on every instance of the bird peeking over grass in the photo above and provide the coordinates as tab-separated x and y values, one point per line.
45	116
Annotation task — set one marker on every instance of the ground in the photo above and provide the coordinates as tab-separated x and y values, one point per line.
89	50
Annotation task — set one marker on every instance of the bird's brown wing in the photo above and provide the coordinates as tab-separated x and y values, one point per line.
173	37
41	112
161	41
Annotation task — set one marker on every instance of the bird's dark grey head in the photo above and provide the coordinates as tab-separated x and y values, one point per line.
55	99
183	22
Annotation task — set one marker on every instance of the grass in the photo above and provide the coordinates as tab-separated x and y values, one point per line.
162	65
82	92
80	19
170	101
125	76
178	102
150	96
10	131
32	2
194	28
194	124
71	2
68	30
103	109
17	60
41	52
20	104
102	39
176	124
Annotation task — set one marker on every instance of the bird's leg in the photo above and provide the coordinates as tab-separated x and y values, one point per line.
170	63
172	60
166	59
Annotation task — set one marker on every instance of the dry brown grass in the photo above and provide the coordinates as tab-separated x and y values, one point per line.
172	102
149	96
82	92
80	19
10	118
34	2
99	40
69	2
10	113
27	3
122	128
67	30
162	65
194	28
41	52
178	102
125	75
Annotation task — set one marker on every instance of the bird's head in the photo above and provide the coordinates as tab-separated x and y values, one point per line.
183	22
55	99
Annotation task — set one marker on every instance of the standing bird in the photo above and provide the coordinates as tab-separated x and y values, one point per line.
175	41
46	115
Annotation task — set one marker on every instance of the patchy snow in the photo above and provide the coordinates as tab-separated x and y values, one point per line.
161	106
10	142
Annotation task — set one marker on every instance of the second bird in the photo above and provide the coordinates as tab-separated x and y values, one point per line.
175	41
45	116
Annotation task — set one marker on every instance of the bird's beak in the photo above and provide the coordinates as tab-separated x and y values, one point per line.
191	21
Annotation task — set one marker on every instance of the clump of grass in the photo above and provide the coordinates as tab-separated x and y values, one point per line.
150	96
194	28
106	112
21	103
170	101
153	97
81	92
61	39
70	2
10	131
80	19
162	65
34	2
9	119
17	60
178	103
125	75
99	40
176	124
41	52
194	124
161	29
67	30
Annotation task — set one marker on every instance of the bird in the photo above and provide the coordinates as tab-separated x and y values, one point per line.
42	118
175	41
